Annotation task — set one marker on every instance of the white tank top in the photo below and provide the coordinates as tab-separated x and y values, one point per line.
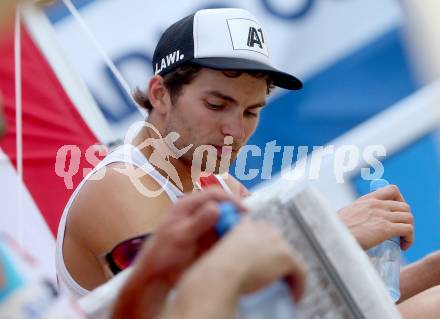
65	280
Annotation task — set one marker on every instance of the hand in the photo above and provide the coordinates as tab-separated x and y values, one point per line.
253	255
378	216
186	233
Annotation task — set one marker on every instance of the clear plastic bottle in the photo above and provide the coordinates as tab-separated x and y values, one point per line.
275	301
385	257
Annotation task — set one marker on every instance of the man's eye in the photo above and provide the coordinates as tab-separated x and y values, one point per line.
250	114
214	106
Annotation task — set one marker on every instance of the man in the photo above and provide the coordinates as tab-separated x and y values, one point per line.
212	77
173	253
213	106
173	250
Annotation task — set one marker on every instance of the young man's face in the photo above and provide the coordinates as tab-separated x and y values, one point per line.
214	106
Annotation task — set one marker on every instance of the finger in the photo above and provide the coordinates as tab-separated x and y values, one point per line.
202	221
391	192
406	232
188	204
206	241
405	245
399	217
297	278
394	206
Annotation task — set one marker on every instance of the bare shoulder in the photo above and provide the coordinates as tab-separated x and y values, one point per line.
236	187
122	204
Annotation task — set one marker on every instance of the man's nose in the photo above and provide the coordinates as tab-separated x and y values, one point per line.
234	127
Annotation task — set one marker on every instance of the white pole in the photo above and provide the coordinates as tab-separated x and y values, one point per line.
422	29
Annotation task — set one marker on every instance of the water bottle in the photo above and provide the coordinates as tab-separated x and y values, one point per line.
273	302
385	257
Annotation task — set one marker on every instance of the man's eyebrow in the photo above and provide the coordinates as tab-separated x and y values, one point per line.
255	106
223	96
232	100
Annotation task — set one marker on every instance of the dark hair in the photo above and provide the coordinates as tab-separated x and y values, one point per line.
183	75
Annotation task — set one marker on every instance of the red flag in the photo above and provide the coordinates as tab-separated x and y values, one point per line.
49	121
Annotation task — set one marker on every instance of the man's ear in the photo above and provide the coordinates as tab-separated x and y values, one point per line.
158	94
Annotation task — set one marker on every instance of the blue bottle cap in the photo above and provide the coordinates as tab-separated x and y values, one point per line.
228	218
376	184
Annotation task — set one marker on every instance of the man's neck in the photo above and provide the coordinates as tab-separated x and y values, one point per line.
182	168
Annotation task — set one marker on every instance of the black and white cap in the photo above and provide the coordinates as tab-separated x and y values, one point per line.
220	39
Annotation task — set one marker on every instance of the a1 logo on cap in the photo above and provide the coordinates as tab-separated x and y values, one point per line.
247	35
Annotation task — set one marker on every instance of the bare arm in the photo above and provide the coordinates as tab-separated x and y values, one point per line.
420	276
106	212
425	305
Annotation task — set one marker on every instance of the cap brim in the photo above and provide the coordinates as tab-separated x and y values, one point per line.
281	79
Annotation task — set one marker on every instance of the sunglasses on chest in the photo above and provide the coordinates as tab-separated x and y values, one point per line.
124	253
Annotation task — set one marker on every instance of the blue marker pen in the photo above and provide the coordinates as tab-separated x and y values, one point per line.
386	256
273	302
